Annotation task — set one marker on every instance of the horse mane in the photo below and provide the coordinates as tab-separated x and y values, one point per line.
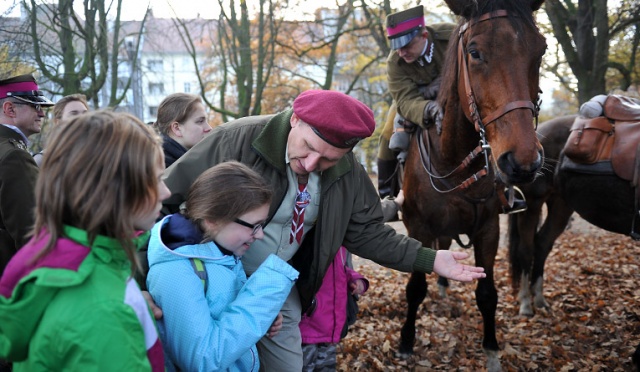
520	13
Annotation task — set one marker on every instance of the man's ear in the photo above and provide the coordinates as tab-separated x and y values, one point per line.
175	129
8	109
294	120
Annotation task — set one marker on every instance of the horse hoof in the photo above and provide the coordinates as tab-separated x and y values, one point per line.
403	355
526	311
442	291
541	304
493	361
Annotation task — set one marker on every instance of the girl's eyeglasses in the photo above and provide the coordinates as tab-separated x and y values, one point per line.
254	228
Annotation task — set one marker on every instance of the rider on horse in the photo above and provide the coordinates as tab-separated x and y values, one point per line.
413	73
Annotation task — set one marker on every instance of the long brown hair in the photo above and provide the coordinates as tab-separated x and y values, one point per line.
100	170
226	191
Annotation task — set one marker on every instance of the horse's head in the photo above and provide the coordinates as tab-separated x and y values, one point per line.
494	89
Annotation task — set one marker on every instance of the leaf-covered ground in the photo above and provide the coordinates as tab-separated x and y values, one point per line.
593	324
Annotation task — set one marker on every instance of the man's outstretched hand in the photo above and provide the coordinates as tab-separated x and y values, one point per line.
446	264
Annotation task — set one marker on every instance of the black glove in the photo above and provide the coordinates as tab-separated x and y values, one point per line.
432	114
430	91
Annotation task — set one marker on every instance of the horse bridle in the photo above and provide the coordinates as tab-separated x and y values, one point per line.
479	123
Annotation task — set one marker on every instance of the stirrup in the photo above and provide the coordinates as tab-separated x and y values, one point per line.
517	202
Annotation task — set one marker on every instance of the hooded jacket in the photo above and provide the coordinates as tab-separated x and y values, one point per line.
214	330
349	210
326	322
76	309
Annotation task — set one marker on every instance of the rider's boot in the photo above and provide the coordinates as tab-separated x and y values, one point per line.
387	182
386	170
399	141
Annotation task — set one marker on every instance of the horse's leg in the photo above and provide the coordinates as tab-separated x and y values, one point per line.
443	283
416	292
485	250
558	216
522	229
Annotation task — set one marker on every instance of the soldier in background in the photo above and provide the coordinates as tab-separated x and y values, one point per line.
21	111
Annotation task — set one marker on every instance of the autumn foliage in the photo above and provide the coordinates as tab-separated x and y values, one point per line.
593	323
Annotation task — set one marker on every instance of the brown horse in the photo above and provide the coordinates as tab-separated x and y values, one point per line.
454	174
593	191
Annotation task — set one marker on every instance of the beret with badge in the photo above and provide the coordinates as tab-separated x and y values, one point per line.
339	119
23	88
404	26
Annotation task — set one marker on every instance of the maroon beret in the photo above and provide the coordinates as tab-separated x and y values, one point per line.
339	119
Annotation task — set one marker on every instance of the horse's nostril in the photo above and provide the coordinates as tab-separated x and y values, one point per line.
516	172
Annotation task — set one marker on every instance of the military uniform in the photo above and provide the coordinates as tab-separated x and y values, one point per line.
18	174
18	169
406	79
405	83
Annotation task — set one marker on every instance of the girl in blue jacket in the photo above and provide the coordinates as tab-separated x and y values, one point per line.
212	314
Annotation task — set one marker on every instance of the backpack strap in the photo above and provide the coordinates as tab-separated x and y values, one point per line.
200	270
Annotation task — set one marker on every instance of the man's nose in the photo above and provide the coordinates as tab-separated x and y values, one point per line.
311	163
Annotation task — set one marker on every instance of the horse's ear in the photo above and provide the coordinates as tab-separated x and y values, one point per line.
536	4
463	8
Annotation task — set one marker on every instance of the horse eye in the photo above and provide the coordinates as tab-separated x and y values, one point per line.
474	54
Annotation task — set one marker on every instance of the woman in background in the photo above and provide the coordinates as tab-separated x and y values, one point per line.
182	122
66	108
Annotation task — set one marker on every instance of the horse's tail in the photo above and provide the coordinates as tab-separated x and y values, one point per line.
515	263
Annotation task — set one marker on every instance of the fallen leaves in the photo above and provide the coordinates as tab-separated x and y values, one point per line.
593	323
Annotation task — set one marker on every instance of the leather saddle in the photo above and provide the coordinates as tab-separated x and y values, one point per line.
614	137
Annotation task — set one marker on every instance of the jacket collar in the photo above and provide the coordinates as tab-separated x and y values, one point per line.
105	247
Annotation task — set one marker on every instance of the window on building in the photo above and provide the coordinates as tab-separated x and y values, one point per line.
155	65
156	88
187	87
153	111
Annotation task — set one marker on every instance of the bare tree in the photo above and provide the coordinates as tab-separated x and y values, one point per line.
77	53
584	30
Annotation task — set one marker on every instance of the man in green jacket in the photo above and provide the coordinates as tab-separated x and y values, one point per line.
305	153
21	112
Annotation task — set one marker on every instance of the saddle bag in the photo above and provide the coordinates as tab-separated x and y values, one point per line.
590	140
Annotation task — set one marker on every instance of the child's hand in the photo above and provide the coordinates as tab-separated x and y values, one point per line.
275	327
157	312
357	287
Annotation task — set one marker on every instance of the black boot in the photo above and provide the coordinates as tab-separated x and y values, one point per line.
387	183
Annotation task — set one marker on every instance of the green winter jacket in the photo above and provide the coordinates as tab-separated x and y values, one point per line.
77	309
349	211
